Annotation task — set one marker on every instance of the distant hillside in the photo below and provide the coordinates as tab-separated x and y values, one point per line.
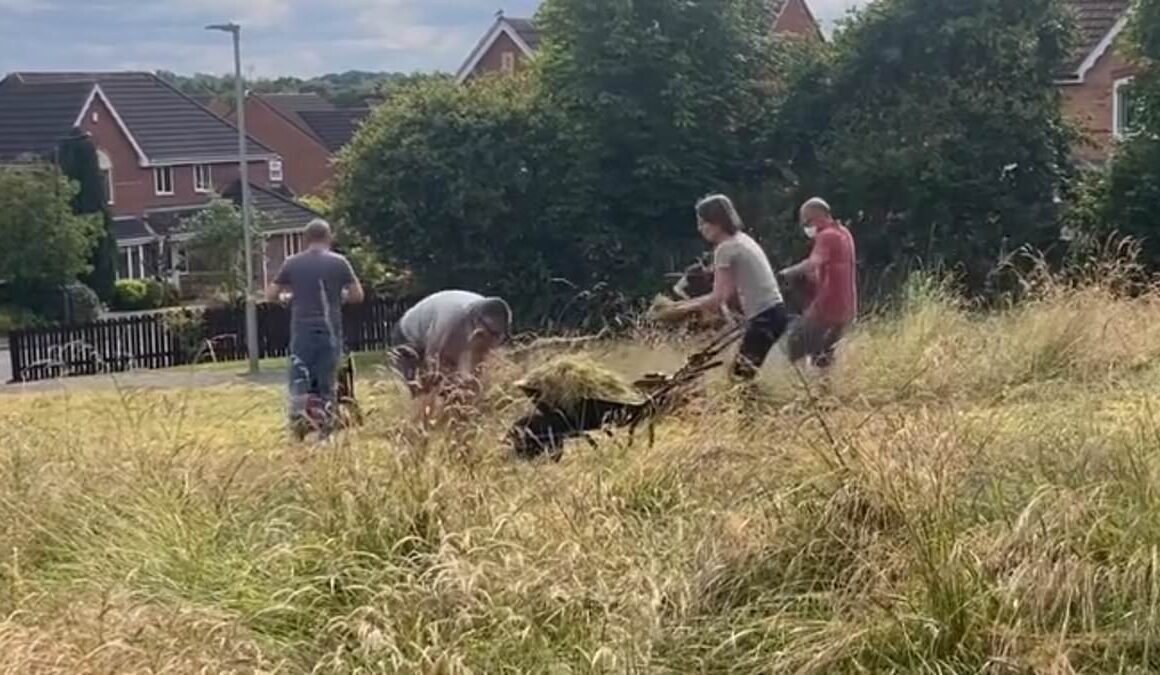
347	88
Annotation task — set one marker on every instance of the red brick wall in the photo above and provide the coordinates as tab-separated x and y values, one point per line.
306	163
133	191
1090	104
795	19
492	60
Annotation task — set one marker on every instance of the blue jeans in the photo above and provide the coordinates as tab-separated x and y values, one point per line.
314	355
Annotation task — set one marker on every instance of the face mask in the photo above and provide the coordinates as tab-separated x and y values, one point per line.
810	231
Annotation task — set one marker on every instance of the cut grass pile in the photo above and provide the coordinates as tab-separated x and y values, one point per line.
983	500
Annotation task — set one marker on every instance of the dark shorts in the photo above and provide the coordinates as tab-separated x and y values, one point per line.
815	339
761	334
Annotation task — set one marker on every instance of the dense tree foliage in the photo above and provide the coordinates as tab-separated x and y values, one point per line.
46	245
77	158
1130	192
935	127
349	88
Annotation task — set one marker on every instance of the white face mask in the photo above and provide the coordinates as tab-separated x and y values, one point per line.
810	231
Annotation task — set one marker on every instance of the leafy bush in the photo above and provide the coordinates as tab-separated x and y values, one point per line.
14	317
130	295
81	304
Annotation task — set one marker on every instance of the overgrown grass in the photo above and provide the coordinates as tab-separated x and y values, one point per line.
982	499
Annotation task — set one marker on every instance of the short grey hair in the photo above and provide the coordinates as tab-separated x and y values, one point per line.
817	204
495	315
317	230
718	210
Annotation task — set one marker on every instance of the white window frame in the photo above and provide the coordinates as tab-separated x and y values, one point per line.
201	171
105	166
136	261
277	172
292	244
159	172
1119	84
507	61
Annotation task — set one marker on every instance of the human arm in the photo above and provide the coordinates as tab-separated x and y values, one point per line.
280	285
812	266
724	288
352	288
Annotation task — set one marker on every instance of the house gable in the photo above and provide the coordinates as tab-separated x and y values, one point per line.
795	18
504	32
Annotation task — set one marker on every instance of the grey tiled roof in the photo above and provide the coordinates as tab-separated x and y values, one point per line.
168	125
283	212
34	118
526	30
131	228
1094	19
292	106
334	128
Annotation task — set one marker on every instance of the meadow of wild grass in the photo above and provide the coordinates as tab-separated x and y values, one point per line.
977	494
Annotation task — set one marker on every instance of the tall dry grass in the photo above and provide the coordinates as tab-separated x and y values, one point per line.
981	499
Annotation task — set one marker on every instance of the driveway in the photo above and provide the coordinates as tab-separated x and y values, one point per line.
5	363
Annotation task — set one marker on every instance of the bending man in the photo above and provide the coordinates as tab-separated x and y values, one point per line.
446	337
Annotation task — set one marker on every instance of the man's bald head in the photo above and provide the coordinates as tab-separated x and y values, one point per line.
815	209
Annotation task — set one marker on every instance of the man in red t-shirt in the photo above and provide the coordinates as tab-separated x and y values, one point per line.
831	270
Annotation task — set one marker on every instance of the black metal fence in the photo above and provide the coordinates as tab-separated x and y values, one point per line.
181	337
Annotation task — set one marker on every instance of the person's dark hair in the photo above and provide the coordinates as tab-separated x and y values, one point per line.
718	210
317	232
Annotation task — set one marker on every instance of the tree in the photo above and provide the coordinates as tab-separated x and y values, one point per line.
667	101
935	126
581	174
467	187
218	241
46	245
77	158
1131	188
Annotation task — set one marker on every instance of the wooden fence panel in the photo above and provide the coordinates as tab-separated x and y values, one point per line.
149	341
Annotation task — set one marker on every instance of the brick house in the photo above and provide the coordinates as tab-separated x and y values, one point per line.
1095	83
307	131
163	155
510	42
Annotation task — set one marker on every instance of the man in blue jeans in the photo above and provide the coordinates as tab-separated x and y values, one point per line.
317	281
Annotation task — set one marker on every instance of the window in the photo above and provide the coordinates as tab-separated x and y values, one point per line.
106	166
507	61
275	171
1123	108
131	262
291	244
163	180
202	178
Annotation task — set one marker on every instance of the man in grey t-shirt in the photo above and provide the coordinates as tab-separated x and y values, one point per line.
446	334
317	281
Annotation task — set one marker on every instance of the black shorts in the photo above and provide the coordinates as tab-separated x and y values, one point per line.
761	334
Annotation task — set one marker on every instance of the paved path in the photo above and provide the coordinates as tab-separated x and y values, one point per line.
5	364
145	379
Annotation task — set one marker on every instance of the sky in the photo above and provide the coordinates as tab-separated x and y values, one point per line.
280	37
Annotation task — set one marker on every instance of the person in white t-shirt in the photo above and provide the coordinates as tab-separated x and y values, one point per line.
741	268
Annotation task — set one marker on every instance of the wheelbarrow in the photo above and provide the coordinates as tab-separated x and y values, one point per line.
545	430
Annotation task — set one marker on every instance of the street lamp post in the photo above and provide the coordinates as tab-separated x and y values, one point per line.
244	177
